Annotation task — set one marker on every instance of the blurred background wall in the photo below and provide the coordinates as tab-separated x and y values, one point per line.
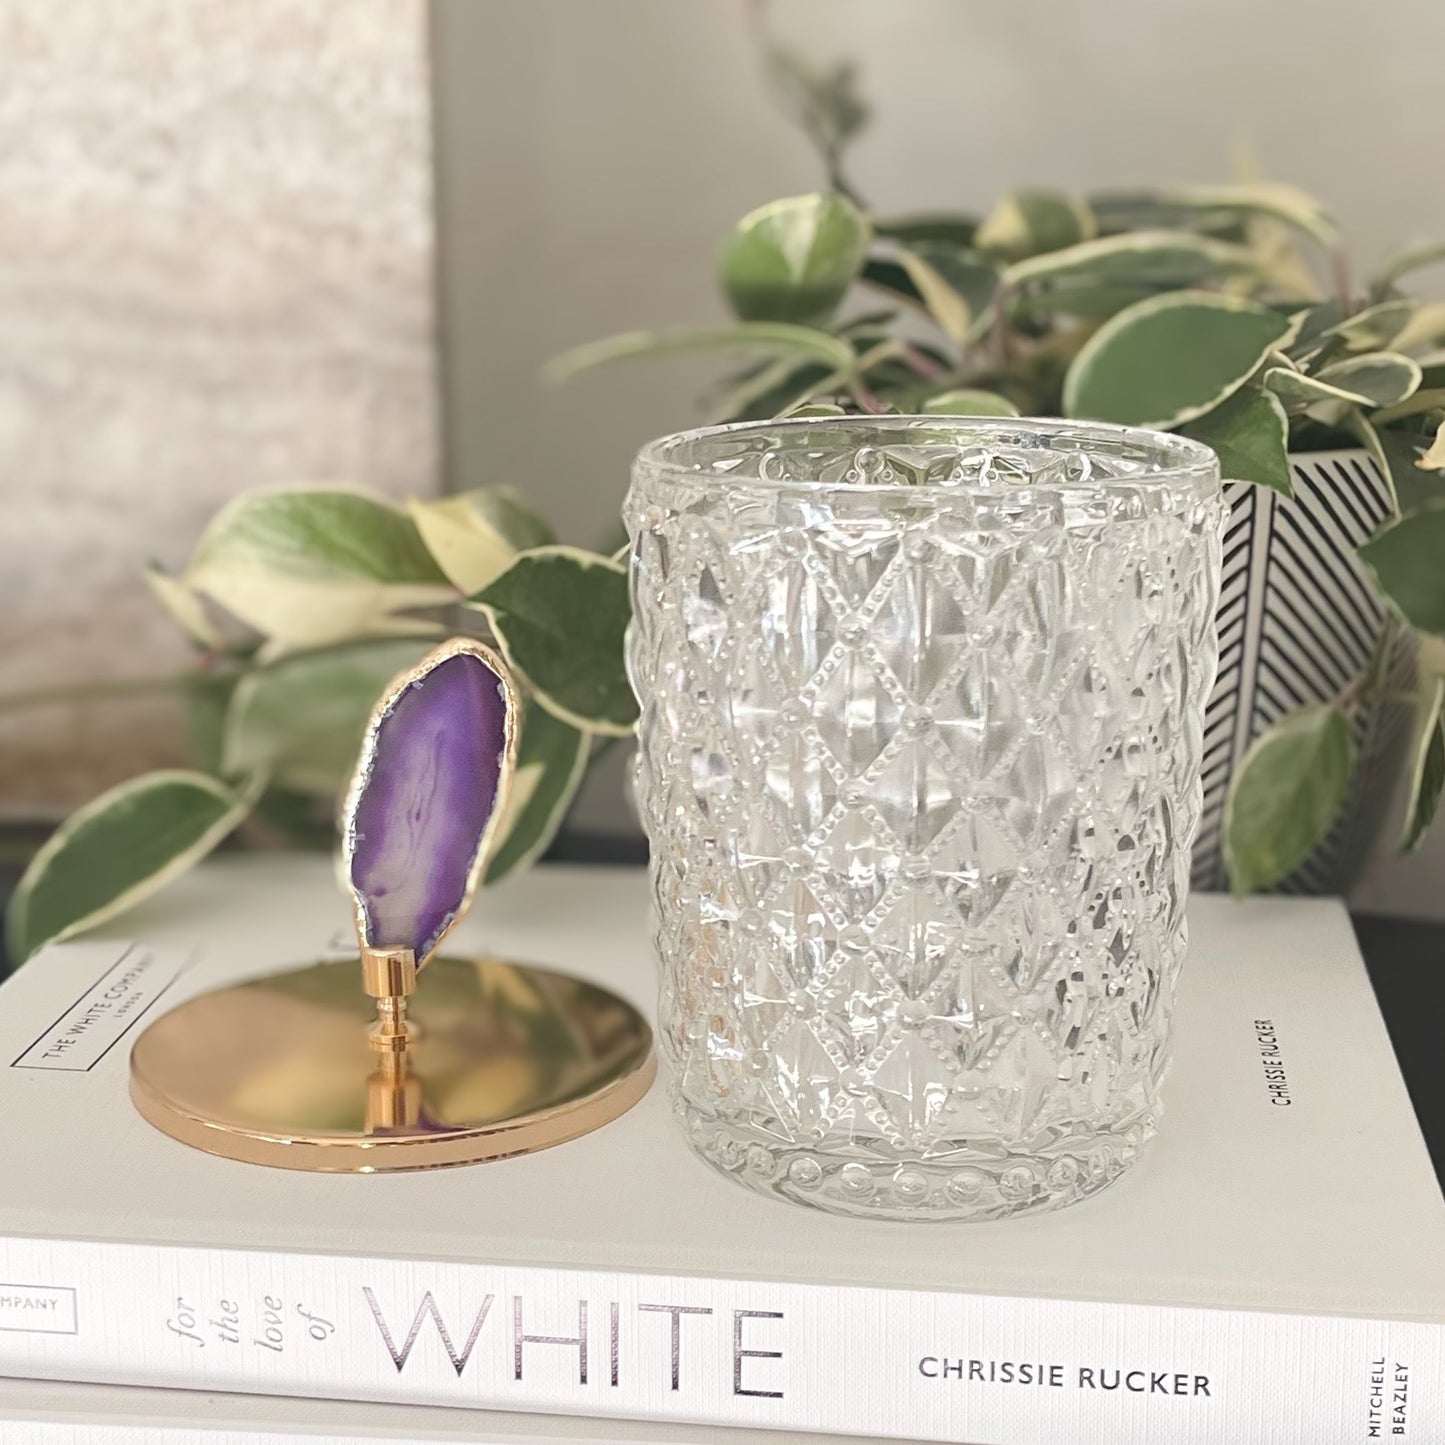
593	153
216	272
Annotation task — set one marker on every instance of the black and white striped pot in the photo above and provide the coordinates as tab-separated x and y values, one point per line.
1298	618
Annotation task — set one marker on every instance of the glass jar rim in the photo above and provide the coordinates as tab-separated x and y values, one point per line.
1166	458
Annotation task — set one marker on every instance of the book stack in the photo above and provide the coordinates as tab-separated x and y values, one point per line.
1272	1269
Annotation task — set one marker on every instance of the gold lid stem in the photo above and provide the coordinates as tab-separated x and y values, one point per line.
389	976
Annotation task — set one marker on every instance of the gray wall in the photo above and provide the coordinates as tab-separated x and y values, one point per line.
216	232
592	153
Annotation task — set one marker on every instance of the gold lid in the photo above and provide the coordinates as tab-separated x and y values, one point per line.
498	1059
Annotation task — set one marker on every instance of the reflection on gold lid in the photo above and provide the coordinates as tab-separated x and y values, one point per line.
503	1059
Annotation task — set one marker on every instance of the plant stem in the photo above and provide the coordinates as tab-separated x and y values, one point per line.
851	192
852	377
884	351
866	399
1340	268
999	333
1349	697
210	665
921	362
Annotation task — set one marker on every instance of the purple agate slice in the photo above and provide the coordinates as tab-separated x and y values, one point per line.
427	787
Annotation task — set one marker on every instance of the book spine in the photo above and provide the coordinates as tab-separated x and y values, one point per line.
992	1370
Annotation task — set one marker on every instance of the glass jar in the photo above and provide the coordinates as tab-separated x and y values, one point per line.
922	704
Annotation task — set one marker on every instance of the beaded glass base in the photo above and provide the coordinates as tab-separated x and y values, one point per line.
920	762
973	1181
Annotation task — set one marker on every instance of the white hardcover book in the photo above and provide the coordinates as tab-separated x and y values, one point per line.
1272	1269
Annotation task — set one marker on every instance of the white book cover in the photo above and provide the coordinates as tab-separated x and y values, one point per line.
1272	1269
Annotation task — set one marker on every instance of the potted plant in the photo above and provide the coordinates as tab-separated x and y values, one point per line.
1228	313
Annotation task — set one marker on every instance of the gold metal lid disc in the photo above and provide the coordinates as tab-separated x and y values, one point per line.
503	1059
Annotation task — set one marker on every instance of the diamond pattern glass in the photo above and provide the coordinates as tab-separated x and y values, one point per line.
920	755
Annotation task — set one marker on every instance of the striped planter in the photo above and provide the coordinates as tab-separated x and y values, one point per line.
1297	620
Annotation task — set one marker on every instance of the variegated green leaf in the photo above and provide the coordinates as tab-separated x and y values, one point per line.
1427	771
1412	258
1167	360
966	401
794	259
766	338
185	605
950	228
1298	389
1027	223
551	762
1424	327
1397	455
559	615
816	408
1272	199
754	392
1405	561
1434	457
1250	433
1313	328
474	535
300	720
319	533
1141	259
1120	211
1285	795
1382	378
1374	327
319	566
955	286
118	849
1418	404
1088	303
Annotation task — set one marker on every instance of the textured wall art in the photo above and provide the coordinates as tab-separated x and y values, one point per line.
216	255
